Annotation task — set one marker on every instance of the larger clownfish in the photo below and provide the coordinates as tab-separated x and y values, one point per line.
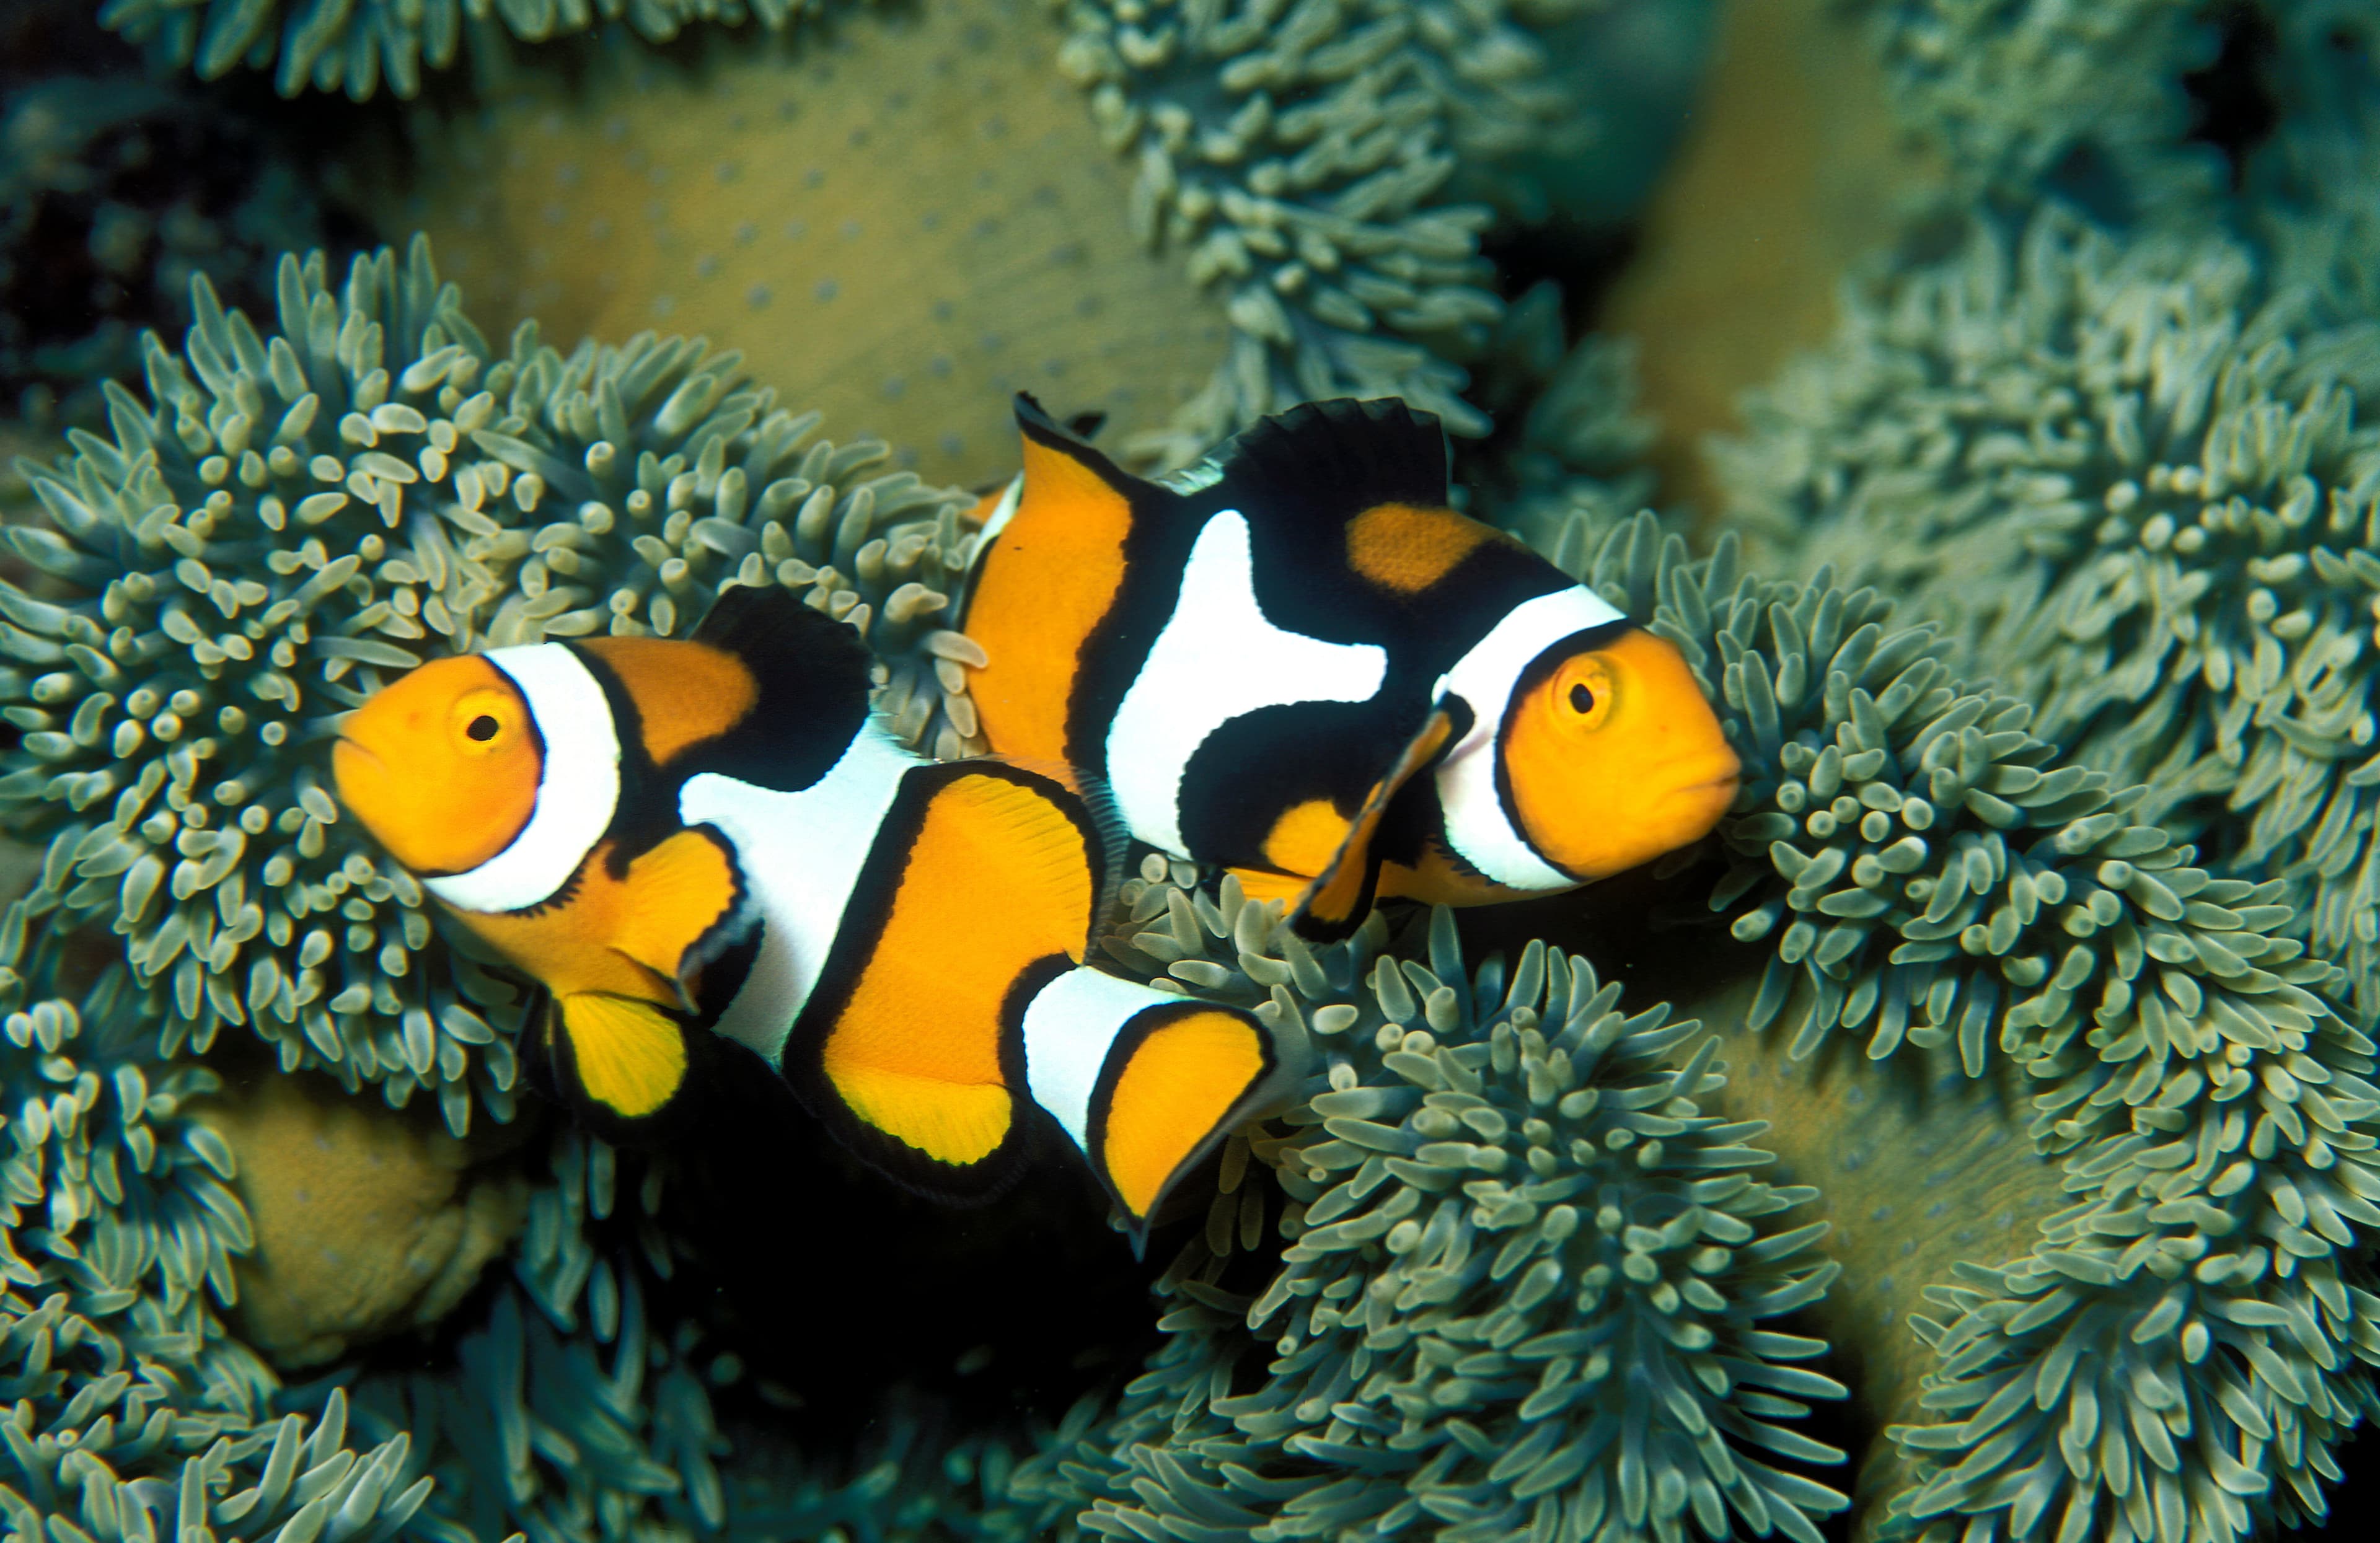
713	834
1296	660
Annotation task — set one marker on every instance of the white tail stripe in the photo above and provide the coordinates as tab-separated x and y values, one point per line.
1477	825
1070	1026
800	854
577	785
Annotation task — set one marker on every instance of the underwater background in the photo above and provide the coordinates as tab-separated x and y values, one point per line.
1974	1140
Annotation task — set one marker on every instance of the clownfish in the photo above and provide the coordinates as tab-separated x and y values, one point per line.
1296	660
714	834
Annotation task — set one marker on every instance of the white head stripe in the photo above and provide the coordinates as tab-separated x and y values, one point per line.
1219	658
800	853
578	786
1070	1030
1477	825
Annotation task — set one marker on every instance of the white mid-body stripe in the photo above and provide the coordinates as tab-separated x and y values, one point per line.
801	853
1217	659
577	784
1070	1026
1477	825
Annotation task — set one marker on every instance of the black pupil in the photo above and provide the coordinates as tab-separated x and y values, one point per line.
482	728
1581	699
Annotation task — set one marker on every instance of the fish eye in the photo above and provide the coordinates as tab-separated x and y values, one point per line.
483	728
1582	701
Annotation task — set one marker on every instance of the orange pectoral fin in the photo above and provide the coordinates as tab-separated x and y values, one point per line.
1184	1082
1340	896
676	896
626	1058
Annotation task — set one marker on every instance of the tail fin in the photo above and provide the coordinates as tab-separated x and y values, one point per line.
1145	1082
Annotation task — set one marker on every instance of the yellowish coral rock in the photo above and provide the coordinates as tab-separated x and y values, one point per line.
1793	170
899	216
368	1220
1919	1169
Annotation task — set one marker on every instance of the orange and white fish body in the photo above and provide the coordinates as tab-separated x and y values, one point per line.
1294	660
714	837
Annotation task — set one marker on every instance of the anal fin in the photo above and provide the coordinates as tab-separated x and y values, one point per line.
1335	903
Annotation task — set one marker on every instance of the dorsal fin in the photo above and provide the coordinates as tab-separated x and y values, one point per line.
1038	428
1333	460
812	679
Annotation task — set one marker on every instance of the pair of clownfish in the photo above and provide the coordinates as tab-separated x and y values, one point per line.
1294	661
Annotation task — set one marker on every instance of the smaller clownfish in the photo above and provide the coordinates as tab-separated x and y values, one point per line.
1294	659
714	835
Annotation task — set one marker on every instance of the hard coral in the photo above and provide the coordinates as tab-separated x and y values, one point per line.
368	1220
314	512
2134	480
351	45
900	216
1524	1273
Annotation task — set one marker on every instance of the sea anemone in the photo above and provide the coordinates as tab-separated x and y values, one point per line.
350	44
1296	159
135	1414
1939	879
2022	96
2134	480
291	520
1524	1273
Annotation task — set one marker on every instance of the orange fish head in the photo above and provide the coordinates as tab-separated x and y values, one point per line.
441	765
1613	755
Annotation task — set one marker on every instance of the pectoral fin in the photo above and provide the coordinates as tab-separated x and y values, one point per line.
624	1058
1335	903
684	897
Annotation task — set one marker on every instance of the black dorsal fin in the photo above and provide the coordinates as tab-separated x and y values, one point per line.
1333	460
813	679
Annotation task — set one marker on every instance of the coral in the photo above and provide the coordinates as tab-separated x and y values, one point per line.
1793	171
350	44
2025	96
2137	481
774	191
1524	1272
367	1221
1303	168
365	479
135	1414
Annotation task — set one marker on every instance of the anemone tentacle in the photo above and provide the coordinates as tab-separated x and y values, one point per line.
291	520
